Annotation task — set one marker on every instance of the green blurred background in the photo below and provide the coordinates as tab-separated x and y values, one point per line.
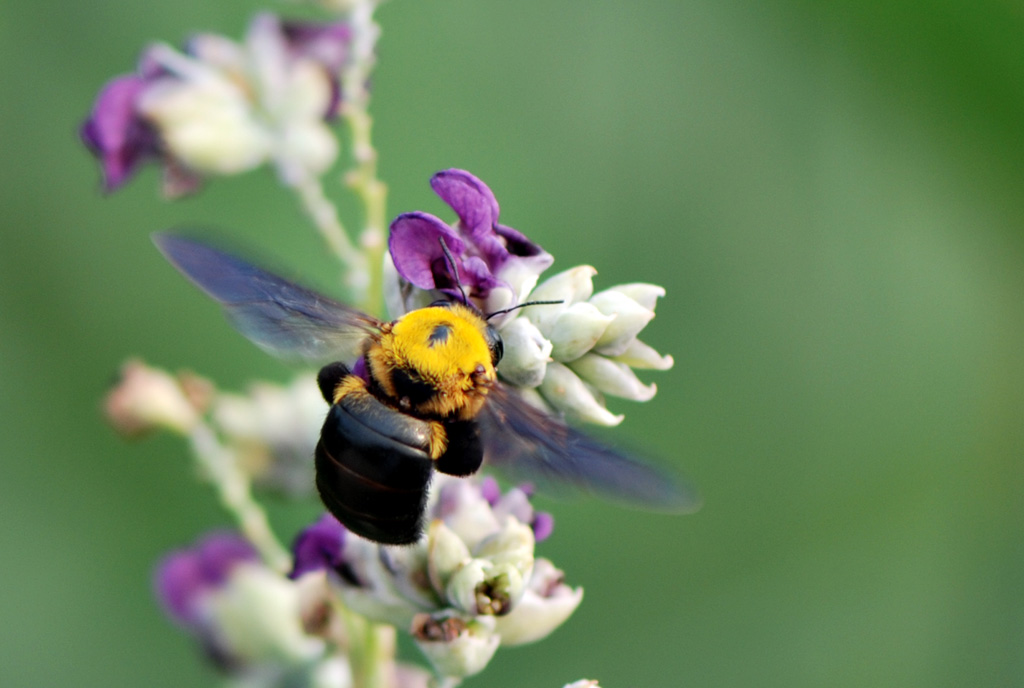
832	196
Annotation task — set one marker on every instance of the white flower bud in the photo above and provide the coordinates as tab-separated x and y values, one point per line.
545	606
630	318
513	545
406	566
307	148
612	377
640	355
146	399
256	614
645	294
306	145
446	553
582	683
272	414
569	287
206	123
219	52
456	647
522	274
526	353
468	514
565	391
576	330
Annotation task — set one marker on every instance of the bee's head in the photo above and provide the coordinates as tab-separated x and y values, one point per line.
437	361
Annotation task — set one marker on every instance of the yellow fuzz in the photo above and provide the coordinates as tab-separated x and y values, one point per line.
438	439
444	348
349	384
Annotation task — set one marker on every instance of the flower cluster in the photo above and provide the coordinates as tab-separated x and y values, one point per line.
572	352
243	614
470	585
221	107
472	582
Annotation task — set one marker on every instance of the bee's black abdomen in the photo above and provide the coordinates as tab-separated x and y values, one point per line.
373	469
369	509
465	450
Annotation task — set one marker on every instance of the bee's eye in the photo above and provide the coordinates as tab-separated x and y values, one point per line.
494	343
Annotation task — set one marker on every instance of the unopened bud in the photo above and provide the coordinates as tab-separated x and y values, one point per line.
527	352
612	377
147	399
643	356
577	329
570	286
567	392
630	318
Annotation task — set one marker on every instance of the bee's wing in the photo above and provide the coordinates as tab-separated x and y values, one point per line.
280	316
527	443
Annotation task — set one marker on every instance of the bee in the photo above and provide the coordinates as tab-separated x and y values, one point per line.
422	394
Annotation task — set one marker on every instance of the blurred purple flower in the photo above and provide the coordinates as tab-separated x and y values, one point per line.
116	135
319	547
244	615
186	576
487	255
221	107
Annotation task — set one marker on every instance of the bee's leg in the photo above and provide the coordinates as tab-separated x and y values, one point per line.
465	451
329	377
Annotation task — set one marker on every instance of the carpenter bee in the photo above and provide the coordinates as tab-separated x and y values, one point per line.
422	393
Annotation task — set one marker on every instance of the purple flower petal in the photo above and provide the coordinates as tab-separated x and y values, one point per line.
490	490
116	134
220	552
185	576
476	277
470	198
517	243
488	255
415	248
179	583
543	525
318	547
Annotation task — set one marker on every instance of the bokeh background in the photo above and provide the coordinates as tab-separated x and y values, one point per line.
833	197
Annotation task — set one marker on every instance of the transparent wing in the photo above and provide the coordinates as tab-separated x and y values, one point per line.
528	444
278	315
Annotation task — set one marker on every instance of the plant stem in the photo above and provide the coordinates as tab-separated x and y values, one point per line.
371	650
233	487
362	177
325	216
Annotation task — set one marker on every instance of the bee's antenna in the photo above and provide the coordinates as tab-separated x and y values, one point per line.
455	270
521	305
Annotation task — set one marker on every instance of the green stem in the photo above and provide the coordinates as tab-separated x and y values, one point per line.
233	487
371	650
362	177
325	216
